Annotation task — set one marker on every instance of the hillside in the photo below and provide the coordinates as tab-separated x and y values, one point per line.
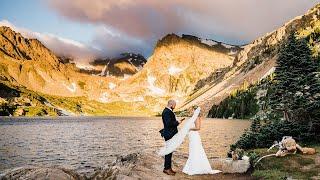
173	71
28	67
28	63
253	63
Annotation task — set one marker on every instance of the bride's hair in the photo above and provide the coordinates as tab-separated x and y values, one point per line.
201	114
195	107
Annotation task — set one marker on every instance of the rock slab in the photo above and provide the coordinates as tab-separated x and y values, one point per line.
231	166
48	173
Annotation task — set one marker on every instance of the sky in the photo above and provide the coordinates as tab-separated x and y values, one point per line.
87	29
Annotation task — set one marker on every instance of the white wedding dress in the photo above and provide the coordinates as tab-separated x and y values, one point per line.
197	162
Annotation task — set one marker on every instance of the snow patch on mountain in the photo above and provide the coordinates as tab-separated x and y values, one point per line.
103	72
154	90
138	99
174	70
227	45
84	66
209	42
44	76
112	85
104	97
72	87
232	52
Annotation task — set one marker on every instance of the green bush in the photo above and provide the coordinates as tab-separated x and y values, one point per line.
274	131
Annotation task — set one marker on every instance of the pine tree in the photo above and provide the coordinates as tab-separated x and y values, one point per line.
255	126
296	84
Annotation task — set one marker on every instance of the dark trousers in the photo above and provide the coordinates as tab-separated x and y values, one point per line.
167	158
167	161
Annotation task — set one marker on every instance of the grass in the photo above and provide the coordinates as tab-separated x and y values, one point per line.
39	111
296	166
79	105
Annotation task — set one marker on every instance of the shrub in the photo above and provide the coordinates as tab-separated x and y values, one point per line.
274	131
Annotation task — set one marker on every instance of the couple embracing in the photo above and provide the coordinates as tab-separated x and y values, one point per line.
197	162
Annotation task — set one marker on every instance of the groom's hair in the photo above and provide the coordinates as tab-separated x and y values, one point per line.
171	102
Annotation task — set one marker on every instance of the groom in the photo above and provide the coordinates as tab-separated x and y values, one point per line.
170	129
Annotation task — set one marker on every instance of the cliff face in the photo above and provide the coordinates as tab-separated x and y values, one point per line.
175	67
179	63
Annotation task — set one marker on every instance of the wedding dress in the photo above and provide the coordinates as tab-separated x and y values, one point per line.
177	139
197	162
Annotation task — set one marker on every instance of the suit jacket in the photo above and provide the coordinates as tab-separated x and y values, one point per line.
170	124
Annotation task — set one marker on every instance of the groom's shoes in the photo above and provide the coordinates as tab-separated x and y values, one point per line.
173	171
169	172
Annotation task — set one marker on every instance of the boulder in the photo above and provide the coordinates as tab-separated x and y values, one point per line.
120	169
48	173
309	151
3	101
227	165
20	112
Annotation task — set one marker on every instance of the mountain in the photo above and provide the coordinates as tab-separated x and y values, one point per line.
27	66
174	69
256	61
28	63
126	64
192	70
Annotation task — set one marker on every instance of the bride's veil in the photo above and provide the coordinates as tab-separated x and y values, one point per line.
177	139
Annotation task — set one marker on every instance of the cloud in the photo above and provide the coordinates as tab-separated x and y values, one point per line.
136	25
142	22
113	43
60	46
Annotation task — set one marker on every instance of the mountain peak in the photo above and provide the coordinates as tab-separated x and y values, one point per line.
16	46
173	39
125	64
168	39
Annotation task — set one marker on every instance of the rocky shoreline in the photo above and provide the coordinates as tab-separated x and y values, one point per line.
132	166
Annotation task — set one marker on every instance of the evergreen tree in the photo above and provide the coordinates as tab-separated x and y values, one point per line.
296	84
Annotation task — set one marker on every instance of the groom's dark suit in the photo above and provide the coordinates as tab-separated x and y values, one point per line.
170	129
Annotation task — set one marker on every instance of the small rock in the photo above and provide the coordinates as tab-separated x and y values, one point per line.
317	160
316	177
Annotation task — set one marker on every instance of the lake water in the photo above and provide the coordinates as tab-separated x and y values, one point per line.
85	143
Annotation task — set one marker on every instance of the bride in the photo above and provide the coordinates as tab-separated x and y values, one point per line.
197	162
